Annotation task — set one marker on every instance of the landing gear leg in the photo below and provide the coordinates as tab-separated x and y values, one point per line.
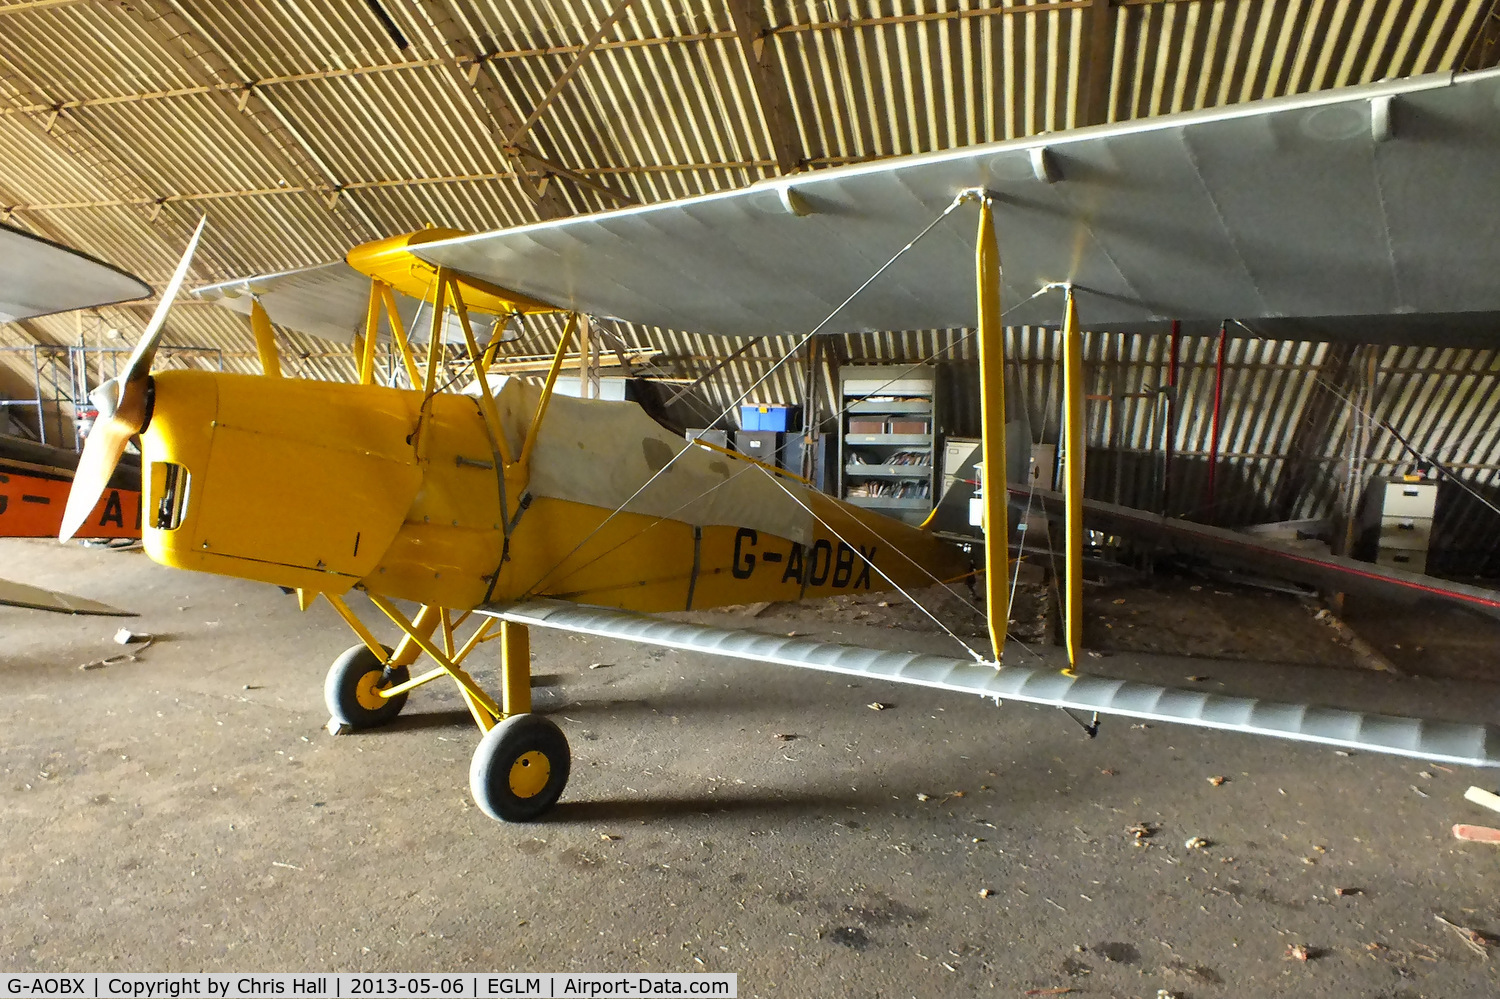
522	764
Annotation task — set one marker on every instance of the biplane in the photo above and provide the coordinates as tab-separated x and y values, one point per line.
38	278
1355	213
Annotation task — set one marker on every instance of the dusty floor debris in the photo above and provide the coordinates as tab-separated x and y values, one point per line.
151	842
122	657
1476	834
1478	942
1483	798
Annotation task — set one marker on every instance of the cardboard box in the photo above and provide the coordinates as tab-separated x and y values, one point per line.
909	426
867	426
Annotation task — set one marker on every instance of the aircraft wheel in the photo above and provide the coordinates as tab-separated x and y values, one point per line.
352	690
520	768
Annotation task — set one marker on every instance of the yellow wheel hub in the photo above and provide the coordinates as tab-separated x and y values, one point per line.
529	774
368	691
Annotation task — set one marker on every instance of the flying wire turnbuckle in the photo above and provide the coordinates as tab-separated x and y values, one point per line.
522	505
1091	729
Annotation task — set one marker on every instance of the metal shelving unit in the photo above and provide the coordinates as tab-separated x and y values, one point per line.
892	470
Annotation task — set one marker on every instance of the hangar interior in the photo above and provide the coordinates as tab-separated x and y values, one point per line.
181	805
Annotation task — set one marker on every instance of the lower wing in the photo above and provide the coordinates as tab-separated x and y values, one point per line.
1447	742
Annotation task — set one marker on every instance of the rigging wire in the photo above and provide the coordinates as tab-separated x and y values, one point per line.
957	201
669	515
1384	425
883	574
749	465
1015	579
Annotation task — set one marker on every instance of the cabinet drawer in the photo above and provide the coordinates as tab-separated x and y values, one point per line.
893	384
1410	561
1409	499
1406	533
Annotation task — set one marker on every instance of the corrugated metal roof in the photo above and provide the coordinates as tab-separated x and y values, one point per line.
115	134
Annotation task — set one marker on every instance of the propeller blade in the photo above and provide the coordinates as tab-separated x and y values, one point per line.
139	365
122	408
101	453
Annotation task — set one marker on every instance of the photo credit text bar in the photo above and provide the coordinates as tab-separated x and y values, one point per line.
468	985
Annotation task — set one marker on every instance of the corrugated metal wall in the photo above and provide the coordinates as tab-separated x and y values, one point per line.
1287	427
301	128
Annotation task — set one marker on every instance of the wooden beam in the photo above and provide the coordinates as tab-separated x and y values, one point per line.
265	129
61	131
1092	105
1483	50
17	6
1011	10
34	333
572	362
464	63
769	83
562	81
154	201
1315	424
484	94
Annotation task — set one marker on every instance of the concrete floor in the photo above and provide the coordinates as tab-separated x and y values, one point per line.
188	812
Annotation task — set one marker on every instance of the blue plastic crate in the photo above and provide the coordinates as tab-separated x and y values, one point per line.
766	416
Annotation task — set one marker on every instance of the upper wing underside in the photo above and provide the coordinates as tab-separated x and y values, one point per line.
327	301
39	277
330	301
1364	213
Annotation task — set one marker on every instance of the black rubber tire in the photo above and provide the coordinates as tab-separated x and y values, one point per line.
501	750
341	689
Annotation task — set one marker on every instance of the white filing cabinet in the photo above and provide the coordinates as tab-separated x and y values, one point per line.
1409	499
959	457
1406	511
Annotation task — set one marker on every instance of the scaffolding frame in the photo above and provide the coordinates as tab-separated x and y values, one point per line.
64	374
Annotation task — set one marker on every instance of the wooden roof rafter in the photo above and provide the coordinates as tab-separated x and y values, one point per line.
533	171
250	113
1092	100
62	130
763	61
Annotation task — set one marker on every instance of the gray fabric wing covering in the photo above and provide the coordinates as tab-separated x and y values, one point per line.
601	453
34	597
38	278
330	301
1453	742
327	301
1361	213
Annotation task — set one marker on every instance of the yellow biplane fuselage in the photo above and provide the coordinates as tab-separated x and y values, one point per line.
457	501
325	486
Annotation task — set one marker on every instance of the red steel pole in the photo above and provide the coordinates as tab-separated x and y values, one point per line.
1171	432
